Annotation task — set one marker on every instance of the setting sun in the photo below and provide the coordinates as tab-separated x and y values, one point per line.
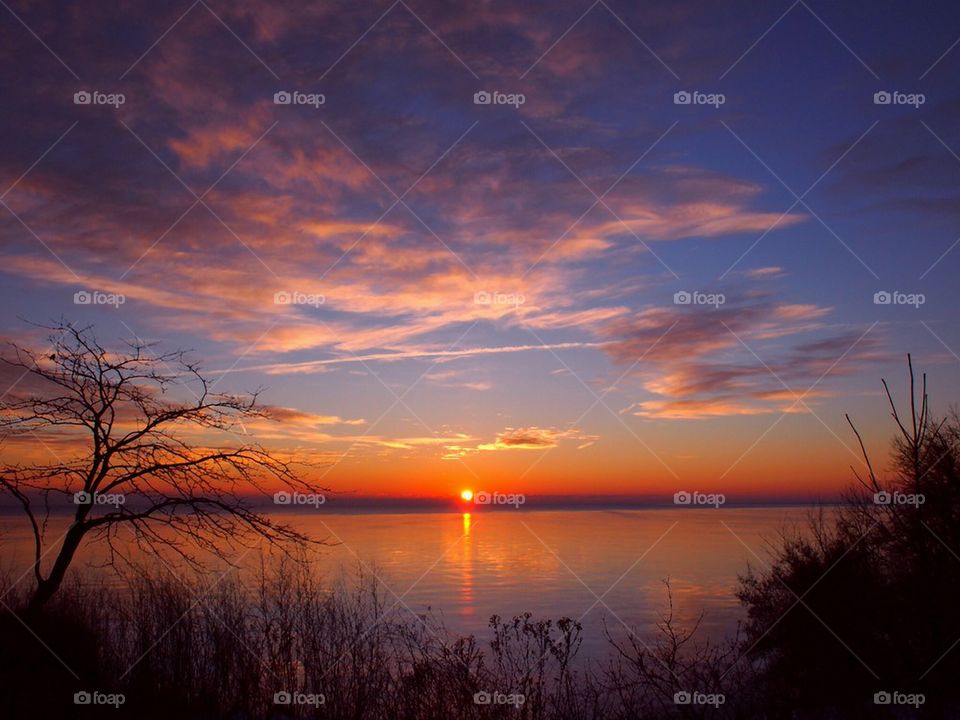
466	495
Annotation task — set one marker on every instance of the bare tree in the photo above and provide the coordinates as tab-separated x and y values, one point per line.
879	571
918	437
127	437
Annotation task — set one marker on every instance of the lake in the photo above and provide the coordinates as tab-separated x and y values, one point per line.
602	567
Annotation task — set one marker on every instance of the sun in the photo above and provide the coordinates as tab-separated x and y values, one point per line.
466	495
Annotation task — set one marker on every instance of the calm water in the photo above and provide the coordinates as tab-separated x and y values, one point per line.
470	566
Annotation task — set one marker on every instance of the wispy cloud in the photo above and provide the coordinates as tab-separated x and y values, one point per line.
524	438
313	365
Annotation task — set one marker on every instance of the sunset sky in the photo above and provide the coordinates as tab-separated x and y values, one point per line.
485	295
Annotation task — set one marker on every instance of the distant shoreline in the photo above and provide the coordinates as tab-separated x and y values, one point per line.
346	505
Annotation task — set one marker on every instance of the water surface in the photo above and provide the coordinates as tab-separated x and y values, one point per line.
601	567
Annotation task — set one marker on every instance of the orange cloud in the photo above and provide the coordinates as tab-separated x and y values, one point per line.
733	359
525	438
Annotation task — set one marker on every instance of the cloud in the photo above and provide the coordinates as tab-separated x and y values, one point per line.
212	142
413	354
685	220
763	272
524	438
698	363
300	417
457	379
534	438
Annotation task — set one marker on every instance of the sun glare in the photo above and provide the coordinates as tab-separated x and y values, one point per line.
466	495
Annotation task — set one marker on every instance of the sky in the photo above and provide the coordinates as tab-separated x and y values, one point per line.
533	247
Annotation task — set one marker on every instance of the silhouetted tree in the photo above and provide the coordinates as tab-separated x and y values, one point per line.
866	599
181	489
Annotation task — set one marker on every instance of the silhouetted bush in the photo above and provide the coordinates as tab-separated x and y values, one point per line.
866	600
189	650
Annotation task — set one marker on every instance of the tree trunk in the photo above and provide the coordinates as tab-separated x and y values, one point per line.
48	587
